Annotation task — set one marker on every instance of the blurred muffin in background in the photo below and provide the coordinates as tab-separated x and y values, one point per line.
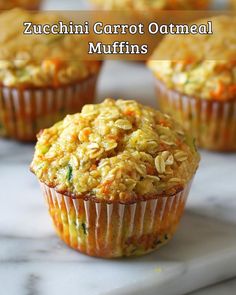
120	177
43	77
26	4
135	5
233	4
200	92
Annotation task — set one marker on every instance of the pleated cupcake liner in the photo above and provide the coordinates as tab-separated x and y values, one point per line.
112	230
211	122
23	112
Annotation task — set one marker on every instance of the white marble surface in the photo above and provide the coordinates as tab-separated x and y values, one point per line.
225	288
34	261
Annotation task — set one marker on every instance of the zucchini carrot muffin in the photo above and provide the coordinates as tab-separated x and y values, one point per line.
233	4
116	177
26	4
200	93
42	77
136	5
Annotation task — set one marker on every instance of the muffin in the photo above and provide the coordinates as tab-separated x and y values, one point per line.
115	177
136	5
200	93
233	4
43	77
26	4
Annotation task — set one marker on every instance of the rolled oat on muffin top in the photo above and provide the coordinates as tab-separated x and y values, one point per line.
189	69
115	151
40	60
154	4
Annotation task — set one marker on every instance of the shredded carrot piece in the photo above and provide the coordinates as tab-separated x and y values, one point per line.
164	123
218	94
87	132
178	141
93	167
106	187
73	137
58	64
129	112
189	60
232	89
150	170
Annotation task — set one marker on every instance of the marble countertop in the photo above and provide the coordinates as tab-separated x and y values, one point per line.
33	260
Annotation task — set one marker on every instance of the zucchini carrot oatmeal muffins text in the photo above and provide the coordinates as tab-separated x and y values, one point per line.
200	93
116	177
42	77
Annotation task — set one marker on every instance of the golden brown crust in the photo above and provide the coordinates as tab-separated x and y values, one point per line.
40	61
128	201
188	69
115	151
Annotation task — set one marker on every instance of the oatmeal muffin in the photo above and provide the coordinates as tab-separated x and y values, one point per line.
200	93
26	4
136	5
116	177
42	77
233	4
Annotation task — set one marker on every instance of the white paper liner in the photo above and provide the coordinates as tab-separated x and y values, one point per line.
24	112
212	123
114	230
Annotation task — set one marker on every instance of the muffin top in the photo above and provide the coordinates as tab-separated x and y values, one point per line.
40	60
233	3
153	4
115	151
189	70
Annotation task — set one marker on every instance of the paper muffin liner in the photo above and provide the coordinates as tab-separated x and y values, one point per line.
211	122
23	112
112	229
